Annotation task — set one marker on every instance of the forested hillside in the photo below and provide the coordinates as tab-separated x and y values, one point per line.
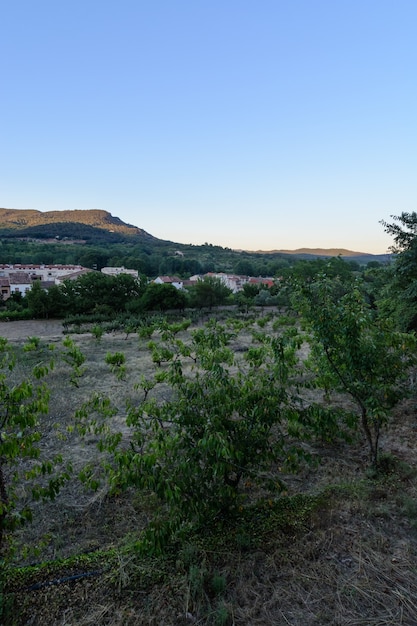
96	239
31	223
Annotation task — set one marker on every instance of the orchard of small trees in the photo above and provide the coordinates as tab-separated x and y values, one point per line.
231	406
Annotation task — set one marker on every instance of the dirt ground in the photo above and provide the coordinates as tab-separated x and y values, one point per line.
46	329
353	565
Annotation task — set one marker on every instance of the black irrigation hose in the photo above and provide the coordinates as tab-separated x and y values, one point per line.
60	581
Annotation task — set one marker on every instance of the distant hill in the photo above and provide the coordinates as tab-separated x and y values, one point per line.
99	227
313	253
349	255
89	224
323	252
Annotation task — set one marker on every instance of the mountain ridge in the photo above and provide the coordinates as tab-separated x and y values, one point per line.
85	223
24	219
314	251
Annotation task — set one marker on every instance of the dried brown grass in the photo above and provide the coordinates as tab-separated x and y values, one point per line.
352	564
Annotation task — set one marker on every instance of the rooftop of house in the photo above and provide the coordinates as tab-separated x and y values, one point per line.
20	278
169	279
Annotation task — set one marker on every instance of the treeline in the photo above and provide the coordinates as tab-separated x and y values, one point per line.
104	296
149	257
101	295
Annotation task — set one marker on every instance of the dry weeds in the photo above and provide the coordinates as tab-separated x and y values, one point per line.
352	564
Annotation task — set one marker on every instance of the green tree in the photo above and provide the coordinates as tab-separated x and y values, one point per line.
356	352
123	289
398	298
85	293
95	290
251	290
244	267
221	425
209	292
95	258
22	403
37	301
403	230
162	298
56	303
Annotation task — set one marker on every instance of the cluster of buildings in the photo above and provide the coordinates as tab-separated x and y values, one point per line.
19	277
233	281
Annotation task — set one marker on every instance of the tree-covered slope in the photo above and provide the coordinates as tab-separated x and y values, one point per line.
77	224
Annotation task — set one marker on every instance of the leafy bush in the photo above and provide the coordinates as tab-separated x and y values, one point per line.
24	399
356	352
221	425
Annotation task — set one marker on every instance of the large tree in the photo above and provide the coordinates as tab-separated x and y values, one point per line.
399	297
162	298
403	230
209	292
93	291
356	352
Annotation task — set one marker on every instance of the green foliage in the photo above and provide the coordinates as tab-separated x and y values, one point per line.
354	351
217	427
146	331
218	583
209	292
22	403
97	331
403	229
95	291
221	616
73	356
37	300
31	344
282	321
117	362
162	298
397	298
409	509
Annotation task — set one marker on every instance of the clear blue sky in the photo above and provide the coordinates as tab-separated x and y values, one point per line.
267	124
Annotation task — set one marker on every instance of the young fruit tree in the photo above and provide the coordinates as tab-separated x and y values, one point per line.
24	398
210	420
355	352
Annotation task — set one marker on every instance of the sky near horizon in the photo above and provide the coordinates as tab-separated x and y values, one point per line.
276	124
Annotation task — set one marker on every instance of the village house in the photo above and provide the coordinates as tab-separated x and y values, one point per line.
116	271
259	280
19	277
73	275
235	282
169	280
4	288
44	272
20	282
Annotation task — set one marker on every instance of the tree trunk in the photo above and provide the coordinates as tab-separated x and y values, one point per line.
373	443
4	501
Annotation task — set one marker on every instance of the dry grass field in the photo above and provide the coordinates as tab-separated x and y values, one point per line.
338	548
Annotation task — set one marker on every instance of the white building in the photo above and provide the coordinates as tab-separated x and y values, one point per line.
116	271
20	282
44	272
169	280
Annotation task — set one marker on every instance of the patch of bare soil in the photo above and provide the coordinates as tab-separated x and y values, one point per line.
353	562
17	330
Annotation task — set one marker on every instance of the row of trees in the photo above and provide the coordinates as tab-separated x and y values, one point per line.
100	293
97	293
